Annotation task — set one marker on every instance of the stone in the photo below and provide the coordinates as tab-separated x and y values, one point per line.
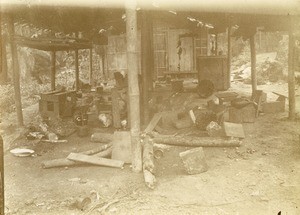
194	161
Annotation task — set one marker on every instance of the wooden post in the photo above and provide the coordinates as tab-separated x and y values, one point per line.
16	72
253	64
229	53
2	205
133	87
53	72
91	66
216	48
147	61
76	70
4	62
291	75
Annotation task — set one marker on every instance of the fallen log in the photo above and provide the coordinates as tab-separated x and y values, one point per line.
196	141
148	163
102	137
104	151
150	179
95	160
104	154
98	149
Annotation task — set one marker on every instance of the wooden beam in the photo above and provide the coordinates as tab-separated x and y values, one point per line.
76	70
4	68
253	64
53	70
229	53
291	75
133	87
2	205
216	48
16	72
91	67
147	61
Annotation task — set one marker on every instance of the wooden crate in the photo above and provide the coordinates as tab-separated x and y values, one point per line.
57	104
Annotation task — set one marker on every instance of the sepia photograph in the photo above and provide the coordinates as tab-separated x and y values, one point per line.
149	107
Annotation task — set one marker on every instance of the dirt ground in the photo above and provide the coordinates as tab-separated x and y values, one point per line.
260	177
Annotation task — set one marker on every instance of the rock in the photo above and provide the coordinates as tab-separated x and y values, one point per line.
194	161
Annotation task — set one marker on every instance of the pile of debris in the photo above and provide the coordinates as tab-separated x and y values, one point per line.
268	70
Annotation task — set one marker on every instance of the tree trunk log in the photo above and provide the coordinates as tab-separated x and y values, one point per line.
133	84
150	179
105	154
102	137
196	141
102	151
148	163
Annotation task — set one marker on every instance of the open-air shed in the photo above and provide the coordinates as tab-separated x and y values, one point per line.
216	15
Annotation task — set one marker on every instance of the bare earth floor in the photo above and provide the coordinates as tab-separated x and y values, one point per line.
260	177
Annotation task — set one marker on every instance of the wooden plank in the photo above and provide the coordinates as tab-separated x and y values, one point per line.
234	130
155	119
95	160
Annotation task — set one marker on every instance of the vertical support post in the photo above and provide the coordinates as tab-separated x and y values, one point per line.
133	86
291	75
53	70
2	206
216	48
76	70
229	53
16	72
253	64
147	58
4	62
91	67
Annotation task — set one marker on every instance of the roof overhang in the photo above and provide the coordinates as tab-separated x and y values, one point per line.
267	7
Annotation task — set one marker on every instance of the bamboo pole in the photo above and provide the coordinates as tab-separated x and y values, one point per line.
53	70
91	66
147	61
76	70
133	88
253	64
16	72
229	53
291	75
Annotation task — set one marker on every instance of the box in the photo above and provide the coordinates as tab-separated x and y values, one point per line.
57	104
